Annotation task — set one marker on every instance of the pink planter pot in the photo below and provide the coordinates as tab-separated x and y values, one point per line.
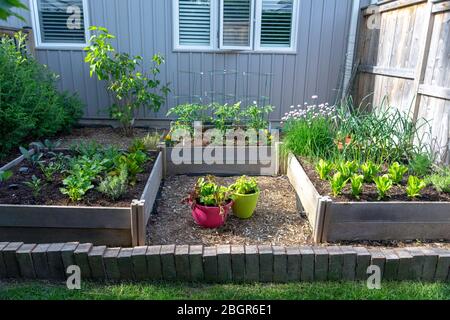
210	217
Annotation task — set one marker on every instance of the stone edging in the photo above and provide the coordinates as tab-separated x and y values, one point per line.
220	264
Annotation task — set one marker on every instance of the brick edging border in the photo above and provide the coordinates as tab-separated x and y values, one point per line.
221	264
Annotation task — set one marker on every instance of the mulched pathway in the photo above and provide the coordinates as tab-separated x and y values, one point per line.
276	220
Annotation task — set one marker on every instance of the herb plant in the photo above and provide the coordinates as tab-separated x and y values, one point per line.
35	184
151	141
115	187
76	186
397	172
415	186
357	183
420	164
440	180
245	185
384	184
323	169
338	183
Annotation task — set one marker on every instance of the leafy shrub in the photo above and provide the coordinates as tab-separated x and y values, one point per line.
415	186
115	187
131	88
245	185
30	105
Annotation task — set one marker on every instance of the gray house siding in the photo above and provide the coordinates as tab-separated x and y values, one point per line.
144	27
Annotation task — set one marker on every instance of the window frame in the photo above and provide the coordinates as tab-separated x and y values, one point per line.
251	34
176	29
216	31
58	45
294	30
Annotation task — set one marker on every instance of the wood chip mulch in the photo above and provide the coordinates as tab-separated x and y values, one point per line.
276	220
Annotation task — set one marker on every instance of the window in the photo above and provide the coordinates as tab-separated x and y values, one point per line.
60	23
260	25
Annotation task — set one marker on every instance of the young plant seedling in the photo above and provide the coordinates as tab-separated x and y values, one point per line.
324	169
33	158
357	182
347	169
35	185
370	171
76	186
397	172
384	184
5	175
50	170
415	187
338	183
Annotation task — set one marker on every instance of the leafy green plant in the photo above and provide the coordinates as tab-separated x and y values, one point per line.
5	175
76	186
420	164
370	170
208	193
440	180
134	163
245	185
357	183
49	170
415	186
256	116
114	187
35	184
187	114
47	145
338	183
31	105
226	115
31	156
384	184
7	9
324	168
347	168
397	172
131	89
88	149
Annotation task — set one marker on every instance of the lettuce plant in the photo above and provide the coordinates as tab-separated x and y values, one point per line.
370	171
338	183
245	185
384	184
415	186
357	182
397	172
323	168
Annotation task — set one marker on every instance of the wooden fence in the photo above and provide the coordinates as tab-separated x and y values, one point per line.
404	56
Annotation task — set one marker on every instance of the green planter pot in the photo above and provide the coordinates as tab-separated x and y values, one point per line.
245	205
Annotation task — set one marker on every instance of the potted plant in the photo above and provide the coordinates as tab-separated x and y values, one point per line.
246	195
210	203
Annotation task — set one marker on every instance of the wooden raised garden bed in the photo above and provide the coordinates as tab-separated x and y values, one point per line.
111	226
243	161
333	221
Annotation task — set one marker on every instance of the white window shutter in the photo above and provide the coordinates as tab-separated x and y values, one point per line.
236	24
194	23
277	24
61	21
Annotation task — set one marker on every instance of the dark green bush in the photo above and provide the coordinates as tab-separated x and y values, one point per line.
30	105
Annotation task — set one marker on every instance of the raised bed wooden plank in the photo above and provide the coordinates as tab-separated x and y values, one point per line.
63	217
110	237
307	193
230	161
15	162
152	188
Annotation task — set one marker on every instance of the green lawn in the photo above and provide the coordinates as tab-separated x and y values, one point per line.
161	291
